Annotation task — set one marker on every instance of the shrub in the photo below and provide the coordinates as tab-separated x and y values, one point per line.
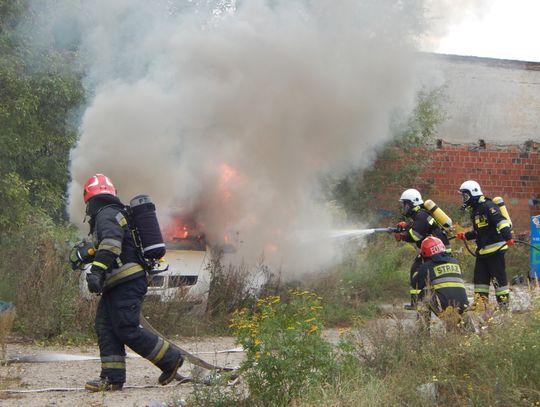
285	350
36	278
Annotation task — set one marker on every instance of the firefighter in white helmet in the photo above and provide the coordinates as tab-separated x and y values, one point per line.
422	224
493	234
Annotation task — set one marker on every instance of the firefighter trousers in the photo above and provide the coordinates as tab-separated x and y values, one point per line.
413	291
491	268
117	325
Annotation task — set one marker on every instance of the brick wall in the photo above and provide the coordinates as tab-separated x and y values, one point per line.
511	171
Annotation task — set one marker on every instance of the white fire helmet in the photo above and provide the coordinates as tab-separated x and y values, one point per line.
470	189
413	196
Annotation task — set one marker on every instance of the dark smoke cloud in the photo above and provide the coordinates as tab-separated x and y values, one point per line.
233	110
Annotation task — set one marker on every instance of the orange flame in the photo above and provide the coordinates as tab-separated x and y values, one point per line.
227	176
179	227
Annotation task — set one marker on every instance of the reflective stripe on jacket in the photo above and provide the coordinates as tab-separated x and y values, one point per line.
423	224
491	229
443	279
116	252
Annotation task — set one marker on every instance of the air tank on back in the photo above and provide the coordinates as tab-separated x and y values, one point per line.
438	214
500	203
143	212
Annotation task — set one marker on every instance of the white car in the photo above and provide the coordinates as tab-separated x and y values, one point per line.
185	274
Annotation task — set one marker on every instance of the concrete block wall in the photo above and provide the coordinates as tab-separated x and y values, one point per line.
510	171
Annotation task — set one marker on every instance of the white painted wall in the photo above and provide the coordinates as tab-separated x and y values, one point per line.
491	99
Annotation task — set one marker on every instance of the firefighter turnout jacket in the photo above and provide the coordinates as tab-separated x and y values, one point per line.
423	224
491	229
116	252
441	282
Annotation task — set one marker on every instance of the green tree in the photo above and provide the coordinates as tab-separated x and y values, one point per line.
38	91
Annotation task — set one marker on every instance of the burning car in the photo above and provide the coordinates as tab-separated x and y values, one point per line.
185	263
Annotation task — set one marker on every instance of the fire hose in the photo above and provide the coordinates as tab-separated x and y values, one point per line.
187	355
397	230
496	251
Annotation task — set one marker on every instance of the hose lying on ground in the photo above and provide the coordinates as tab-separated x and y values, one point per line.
187	355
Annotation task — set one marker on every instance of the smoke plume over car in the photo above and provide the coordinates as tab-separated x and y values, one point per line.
233	110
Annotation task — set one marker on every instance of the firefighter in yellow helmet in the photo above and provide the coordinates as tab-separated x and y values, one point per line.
493	234
421	225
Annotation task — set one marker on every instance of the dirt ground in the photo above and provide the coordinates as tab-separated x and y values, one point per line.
73	374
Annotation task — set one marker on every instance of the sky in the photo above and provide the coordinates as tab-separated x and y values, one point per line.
505	29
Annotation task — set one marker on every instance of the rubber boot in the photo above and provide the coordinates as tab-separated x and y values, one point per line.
102	384
169	375
414	303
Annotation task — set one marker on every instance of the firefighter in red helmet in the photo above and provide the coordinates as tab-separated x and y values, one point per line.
119	275
493	235
422	224
439	278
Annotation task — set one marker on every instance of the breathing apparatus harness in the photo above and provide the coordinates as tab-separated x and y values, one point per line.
144	228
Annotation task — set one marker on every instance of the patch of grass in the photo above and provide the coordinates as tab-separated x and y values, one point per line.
37	279
178	315
378	273
378	366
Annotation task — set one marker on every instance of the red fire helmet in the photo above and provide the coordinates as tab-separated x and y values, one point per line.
96	185
432	245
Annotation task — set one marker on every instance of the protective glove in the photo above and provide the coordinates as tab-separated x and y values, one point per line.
82	253
95	280
402	225
398	237
461	236
510	242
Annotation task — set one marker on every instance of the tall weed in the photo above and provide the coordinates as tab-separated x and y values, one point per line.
378	273
285	350
177	316
499	365
36	278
